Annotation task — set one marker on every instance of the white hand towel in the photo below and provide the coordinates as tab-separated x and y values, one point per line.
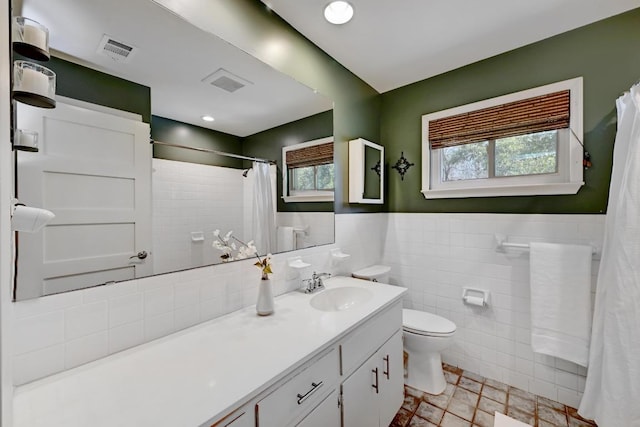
561	301
285	238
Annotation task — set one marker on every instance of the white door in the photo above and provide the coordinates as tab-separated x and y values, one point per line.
93	171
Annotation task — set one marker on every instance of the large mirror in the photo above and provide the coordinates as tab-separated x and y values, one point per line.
125	208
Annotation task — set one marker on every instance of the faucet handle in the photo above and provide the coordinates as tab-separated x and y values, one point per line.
318	279
308	285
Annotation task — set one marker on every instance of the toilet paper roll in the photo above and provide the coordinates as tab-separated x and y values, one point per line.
470	300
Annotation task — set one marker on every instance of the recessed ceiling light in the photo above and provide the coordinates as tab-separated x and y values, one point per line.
338	12
208	118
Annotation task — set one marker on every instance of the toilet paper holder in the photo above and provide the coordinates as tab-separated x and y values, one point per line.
475	297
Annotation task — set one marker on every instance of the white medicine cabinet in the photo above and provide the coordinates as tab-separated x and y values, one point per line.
366	172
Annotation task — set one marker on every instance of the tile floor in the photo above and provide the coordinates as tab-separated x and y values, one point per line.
470	401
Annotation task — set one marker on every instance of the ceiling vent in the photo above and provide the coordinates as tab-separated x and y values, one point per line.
226	80
116	50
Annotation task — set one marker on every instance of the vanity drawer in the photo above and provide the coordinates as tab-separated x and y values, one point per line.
300	394
326	414
362	343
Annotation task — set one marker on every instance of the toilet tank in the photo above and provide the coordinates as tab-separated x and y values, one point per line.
375	273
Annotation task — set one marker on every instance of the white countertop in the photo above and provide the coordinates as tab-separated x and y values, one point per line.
196	375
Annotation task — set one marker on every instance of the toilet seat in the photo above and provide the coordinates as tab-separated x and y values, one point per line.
427	324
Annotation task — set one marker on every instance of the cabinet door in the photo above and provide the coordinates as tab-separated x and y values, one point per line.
360	395
391	379
241	418
326	414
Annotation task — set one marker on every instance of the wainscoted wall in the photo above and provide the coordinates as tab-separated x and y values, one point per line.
189	197
436	255
60	332
319	226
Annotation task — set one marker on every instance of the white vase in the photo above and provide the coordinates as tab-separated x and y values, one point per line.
265	304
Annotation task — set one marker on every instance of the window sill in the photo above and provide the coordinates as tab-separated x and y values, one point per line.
511	190
308	198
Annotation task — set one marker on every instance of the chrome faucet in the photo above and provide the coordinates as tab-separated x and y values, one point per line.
315	283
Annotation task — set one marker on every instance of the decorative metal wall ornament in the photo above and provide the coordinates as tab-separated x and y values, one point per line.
376	168
402	165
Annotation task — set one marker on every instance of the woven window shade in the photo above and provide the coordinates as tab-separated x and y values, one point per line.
320	154
538	114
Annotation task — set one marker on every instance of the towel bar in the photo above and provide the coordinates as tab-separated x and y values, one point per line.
502	245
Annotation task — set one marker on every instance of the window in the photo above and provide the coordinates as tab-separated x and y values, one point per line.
525	143
308	173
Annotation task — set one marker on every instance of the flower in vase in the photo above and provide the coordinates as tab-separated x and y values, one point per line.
246	251
227	246
265	265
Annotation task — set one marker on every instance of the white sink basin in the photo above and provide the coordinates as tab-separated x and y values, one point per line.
339	299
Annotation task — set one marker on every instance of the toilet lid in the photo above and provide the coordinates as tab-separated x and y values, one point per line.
423	323
371	272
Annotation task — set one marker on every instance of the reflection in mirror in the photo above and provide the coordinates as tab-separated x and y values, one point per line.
372	171
366	172
125	209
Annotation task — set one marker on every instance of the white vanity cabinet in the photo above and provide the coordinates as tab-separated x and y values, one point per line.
241	418
301	367
372	395
325	414
372	390
363	371
300	394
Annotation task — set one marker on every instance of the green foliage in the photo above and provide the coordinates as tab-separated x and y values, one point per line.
527	154
312	178
303	179
469	161
324	180
530	154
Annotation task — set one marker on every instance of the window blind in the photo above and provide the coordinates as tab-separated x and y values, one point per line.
309	156
537	114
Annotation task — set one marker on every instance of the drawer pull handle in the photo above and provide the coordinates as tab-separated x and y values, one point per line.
314	387
375	371
386	361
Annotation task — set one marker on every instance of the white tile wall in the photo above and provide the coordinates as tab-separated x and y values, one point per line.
189	197
436	255
62	331
320	226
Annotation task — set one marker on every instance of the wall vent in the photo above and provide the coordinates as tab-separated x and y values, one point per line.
116	50
226	80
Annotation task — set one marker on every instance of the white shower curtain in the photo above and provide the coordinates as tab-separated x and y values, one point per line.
263	218
612	391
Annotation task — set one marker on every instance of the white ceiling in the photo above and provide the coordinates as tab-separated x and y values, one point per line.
173	59
391	43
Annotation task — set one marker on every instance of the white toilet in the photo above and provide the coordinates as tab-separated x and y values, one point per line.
426	335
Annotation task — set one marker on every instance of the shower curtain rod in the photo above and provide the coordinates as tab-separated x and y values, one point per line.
220	153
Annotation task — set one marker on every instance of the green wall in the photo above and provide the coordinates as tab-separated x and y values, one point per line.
606	54
78	82
175	132
268	145
254	28
250	25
